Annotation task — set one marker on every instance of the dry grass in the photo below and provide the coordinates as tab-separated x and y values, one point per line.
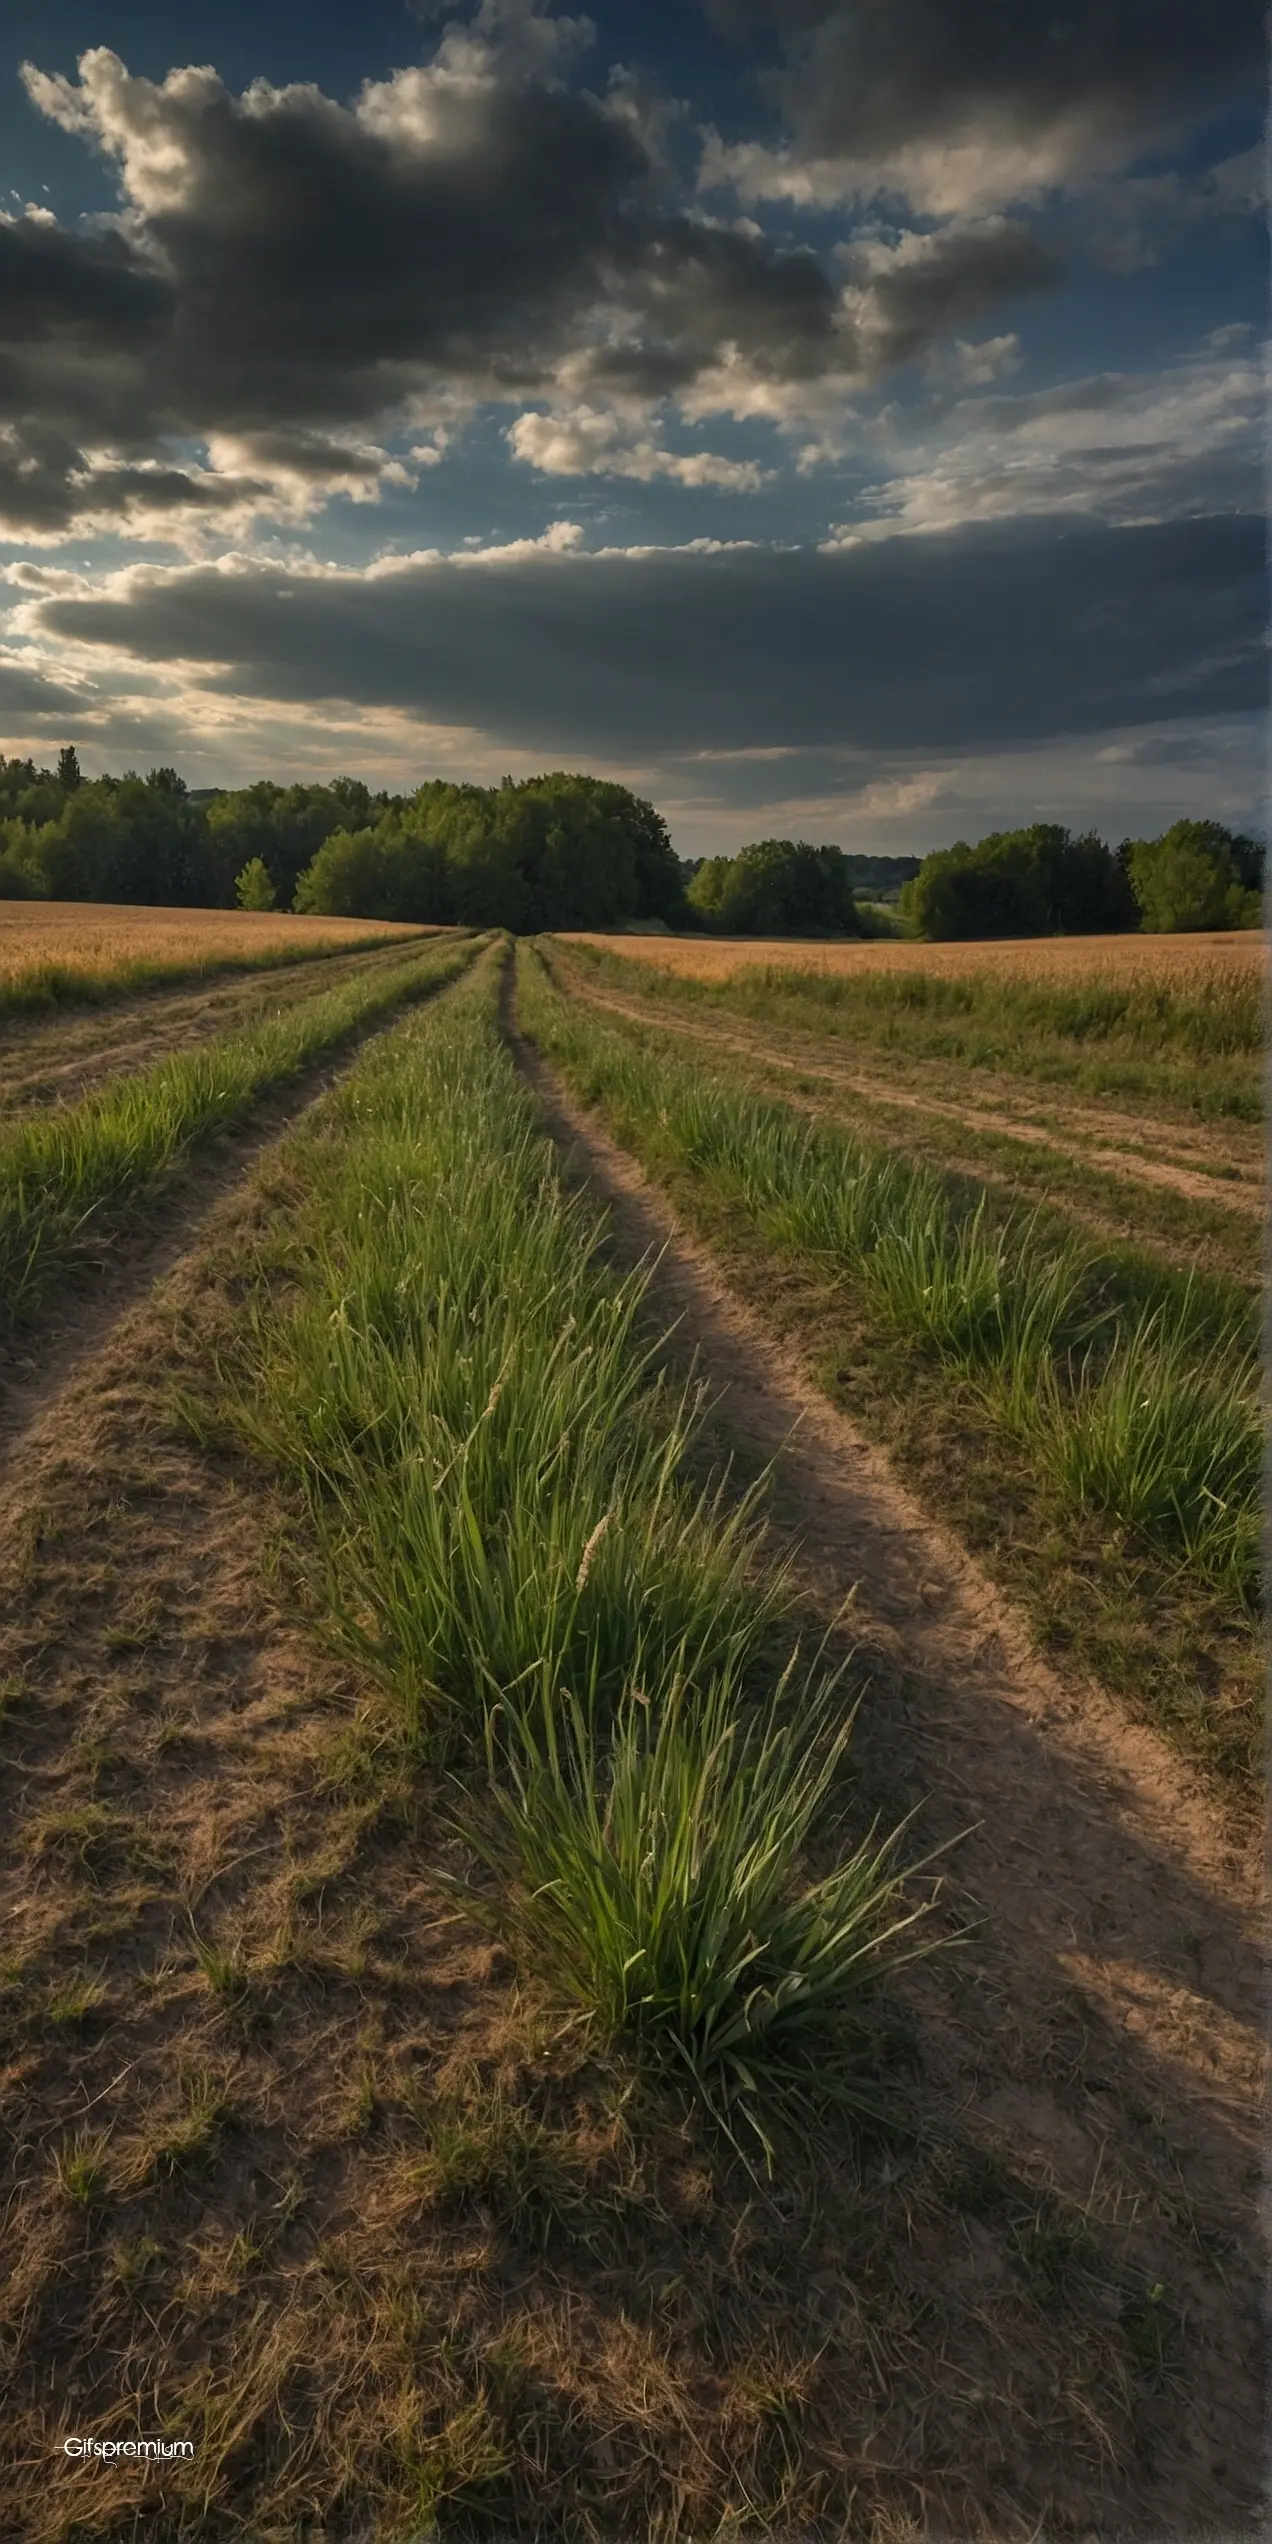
295	2169
1178	961
366	2225
99	937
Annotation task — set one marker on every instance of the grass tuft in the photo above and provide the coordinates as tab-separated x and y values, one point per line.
652	1873
80	2167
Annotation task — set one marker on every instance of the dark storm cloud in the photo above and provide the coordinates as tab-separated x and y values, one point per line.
289	274
291	268
29	698
864	78
70	290
961	642
83	320
945	279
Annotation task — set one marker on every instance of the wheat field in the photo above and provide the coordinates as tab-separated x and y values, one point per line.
102	937
1175	960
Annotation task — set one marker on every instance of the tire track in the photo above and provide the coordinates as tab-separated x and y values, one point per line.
37	1367
1237	1194
101	1046
1116	2009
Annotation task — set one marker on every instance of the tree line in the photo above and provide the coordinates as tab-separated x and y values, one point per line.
1041	881
569	851
557	851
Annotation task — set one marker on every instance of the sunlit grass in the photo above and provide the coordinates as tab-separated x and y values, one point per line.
651	1870
66	1175
1140	1016
1115	1378
513	1531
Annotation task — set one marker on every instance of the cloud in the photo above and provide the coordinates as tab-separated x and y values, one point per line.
592	442
962	106
896	804
951	642
296	293
1122	447
27	692
291	279
1133	221
905	295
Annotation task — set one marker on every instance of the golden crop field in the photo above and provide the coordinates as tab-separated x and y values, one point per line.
1059	958
100	937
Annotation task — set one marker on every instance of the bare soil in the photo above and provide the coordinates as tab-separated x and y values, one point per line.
1089	1135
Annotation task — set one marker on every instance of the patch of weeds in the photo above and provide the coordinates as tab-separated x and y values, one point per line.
73	2004
455	2470
80	2166
138	1632
224	1971
501	2156
96	1838
230	1981
360	1762
173	1730
247	2251
190	2140
1152	2326
130	2259
364	2103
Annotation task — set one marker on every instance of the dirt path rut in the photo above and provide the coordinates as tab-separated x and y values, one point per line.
1108	2016
75	1324
60	1058
1242	1191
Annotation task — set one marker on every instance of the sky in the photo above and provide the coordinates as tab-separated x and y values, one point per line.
838	419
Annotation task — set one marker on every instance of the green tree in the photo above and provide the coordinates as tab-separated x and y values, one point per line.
1038	881
254	887
68	768
1197	875
352	877
777	887
284	826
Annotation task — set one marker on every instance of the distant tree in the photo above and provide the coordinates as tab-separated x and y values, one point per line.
284	826
353	797
1197	875
879	878
776	887
352	877
68	768
254	888
1039	881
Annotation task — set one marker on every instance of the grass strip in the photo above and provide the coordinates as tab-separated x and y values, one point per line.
498	1481
1211	1237
1126	1410
1194	1043
69	1176
52	984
